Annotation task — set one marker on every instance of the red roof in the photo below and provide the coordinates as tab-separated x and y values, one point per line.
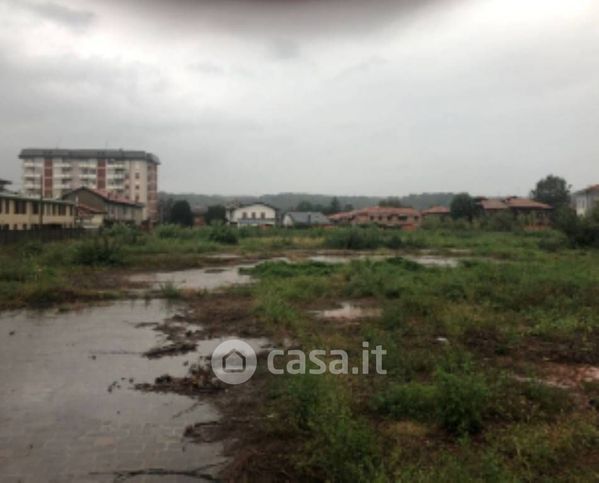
89	210
436	210
491	204
515	202
107	196
594	187
384	210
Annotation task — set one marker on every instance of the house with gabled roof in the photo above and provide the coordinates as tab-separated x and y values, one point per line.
252	214
96	208
585	200
305	219
404	218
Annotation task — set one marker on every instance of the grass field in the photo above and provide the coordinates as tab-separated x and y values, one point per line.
491	365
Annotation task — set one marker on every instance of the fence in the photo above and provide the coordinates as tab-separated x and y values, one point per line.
44	236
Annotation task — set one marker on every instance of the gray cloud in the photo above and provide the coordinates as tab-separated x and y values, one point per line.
61	14
313	96
284	49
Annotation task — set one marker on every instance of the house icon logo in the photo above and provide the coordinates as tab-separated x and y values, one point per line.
233	361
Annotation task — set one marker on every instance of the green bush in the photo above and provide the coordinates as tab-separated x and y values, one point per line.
407	401
223	234
338	445
100	251
355	238
462	400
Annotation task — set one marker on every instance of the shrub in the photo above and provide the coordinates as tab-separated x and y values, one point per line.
169	290
354	238
223	234
98	251
412	400
338	445
462	400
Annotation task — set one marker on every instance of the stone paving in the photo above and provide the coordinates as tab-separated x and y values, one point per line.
68	411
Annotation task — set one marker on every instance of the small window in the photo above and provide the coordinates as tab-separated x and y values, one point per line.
253	215
263	215
137	175
244	215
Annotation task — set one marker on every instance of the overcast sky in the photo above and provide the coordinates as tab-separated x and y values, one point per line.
384	97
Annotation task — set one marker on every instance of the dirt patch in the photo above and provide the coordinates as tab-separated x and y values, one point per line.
199	381
224	313
176	348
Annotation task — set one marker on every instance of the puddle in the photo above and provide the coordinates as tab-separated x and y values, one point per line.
69	409
211	278
434	261
348	311
425	260
223	256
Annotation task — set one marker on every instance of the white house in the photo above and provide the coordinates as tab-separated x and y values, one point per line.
585	200
252	214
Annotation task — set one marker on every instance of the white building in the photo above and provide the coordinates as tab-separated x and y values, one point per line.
585	200
128	174
252	214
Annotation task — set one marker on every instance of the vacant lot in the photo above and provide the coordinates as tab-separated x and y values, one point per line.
492	344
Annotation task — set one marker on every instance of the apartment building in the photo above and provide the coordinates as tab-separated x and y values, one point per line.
19	212
132	175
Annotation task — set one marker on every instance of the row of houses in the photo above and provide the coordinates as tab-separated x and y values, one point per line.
83	207
263	214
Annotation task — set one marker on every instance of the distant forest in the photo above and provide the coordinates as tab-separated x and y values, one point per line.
290	201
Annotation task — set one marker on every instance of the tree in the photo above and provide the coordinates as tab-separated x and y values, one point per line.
391	202
164	209
335	206
463	206
215	214
181	214
553	191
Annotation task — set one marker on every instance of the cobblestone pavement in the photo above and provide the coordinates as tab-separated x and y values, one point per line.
68	411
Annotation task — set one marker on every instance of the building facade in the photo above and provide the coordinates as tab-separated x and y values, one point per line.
96	208
585	200
305	219
132	175
19	212
404	218
529	212
252	214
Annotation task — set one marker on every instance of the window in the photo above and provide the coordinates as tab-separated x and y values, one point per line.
36	208
253	215
20	207
137	175
244	215
263	215
1	205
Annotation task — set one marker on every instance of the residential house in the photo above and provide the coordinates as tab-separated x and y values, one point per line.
18	212
436	212
96	208
585	200
127	174
305	219
532	213
404	218
252	214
